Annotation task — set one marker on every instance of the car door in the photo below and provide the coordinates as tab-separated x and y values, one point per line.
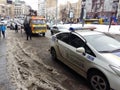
79	60
62	44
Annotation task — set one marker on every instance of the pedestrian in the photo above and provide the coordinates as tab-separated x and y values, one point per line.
11	26
114	20
21	29
0	29
3	28
28	31
16	27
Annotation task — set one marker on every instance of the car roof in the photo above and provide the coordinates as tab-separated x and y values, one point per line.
87	32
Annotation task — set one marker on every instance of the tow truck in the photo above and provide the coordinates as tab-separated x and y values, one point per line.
37	23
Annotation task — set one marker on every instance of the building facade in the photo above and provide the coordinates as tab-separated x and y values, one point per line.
62	12
51	10
13	9
101	8
21	9
41	7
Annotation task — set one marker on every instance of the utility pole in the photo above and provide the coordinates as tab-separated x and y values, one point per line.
56	11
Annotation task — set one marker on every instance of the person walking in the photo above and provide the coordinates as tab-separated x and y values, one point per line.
28	31
3	28
16	28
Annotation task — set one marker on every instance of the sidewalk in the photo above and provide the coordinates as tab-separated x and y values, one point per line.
4	77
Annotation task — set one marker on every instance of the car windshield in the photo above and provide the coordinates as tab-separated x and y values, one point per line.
38	21
103	43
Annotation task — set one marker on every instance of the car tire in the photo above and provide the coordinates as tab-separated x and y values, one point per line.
98	81
53	54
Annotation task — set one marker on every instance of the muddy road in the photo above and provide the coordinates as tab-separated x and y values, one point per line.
31	68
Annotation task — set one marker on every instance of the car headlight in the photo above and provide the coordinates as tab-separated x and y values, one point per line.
116	69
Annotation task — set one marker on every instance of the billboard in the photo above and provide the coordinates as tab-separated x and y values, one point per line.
9	1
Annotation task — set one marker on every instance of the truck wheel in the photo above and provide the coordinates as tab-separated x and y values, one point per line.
43	34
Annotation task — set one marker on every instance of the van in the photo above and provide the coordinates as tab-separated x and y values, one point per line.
37	23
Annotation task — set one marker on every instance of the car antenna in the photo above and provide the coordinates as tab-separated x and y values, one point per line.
110	23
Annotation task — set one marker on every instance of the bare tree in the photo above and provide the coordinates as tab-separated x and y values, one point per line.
64	14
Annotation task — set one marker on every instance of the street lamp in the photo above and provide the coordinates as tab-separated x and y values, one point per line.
56	11
82	10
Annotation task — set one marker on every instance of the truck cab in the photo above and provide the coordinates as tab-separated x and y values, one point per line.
37	23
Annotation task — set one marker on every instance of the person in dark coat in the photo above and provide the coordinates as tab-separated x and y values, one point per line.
28	31
16	27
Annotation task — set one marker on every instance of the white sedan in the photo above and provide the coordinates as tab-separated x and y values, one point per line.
93	55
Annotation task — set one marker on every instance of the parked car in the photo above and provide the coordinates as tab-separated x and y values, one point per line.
94	55
12	25
4	22
66	27
58	28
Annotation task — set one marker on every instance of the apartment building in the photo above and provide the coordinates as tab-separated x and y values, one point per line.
51	9
42	7
9	9
21	9
2	8
62	11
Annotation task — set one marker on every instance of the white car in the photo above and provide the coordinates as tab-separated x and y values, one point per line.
4	22
93	55
58	28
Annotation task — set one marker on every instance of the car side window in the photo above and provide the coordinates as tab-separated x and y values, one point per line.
77	42
63	37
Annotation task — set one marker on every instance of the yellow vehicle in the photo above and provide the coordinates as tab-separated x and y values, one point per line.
37	23
93	21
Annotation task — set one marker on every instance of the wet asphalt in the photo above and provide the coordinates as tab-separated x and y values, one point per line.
5	83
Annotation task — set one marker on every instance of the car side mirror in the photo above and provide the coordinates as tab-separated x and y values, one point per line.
81	50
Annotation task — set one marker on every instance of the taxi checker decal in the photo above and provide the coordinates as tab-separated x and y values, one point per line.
89	57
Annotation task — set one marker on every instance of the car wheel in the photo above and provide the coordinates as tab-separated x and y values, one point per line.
98	81
53	54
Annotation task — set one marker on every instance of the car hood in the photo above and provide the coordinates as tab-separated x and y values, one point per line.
114	58
64	30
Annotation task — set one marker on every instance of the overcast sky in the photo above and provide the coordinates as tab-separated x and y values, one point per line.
34	3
